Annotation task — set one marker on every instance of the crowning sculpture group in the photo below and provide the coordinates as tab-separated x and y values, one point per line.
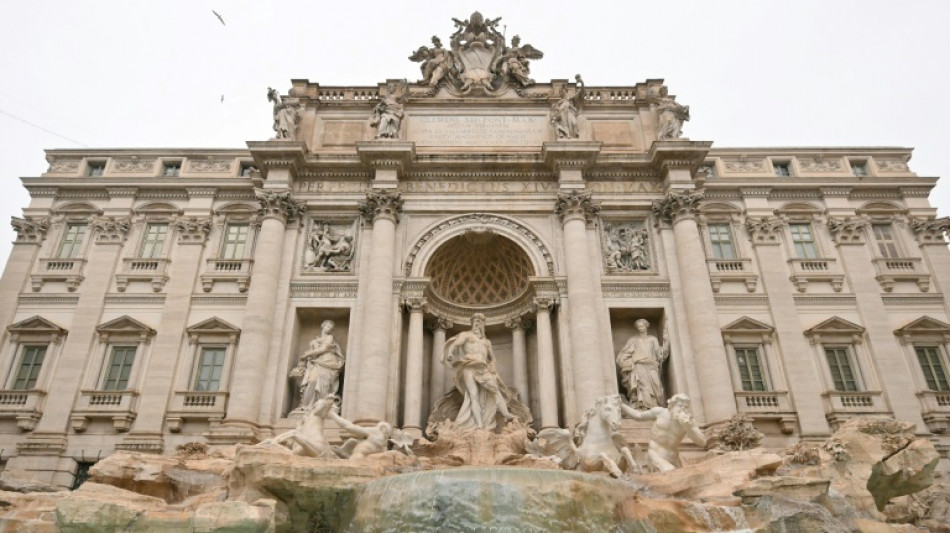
479	62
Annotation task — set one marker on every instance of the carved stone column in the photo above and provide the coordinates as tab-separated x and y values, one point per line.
931	235
381	209
575	210
804	382
412	414
519	355
244	404
679	209
547	377
437	380
30	233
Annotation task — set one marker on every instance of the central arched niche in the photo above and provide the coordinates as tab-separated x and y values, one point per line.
479	269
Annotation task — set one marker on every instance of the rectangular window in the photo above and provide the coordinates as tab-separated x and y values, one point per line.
842	369
71	244
95	168
210	366
235	241
859	168
709	169
120	368
721	239
29	369
803	240
153	241
750	369
171	169
781	169
884	236
934	371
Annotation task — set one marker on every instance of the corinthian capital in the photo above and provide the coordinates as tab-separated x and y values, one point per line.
29	230
576	204
931	230
192	230
381	205
112	230
764	230
848	230
278	204
677	206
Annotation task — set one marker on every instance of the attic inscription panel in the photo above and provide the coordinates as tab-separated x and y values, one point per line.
478	130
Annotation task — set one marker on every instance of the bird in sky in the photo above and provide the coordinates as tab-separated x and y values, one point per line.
222	98
219	17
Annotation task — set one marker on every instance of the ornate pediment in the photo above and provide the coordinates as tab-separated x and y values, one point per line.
478	59
124	326
748	325
835	328
36	325
924	327
213	326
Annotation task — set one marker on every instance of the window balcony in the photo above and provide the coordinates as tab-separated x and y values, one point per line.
26	406
892	270
138	269
236	270
841	405
818	269
739	270
768	405
119	405
196	405
936	410
66	270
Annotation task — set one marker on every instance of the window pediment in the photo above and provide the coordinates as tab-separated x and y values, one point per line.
77	209
213	327
747	328
835	329
924	328
158	209
36	324
124	326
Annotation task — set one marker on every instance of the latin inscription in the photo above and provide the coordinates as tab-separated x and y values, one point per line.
478	130
646	187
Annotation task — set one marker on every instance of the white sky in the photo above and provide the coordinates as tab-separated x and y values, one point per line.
128	73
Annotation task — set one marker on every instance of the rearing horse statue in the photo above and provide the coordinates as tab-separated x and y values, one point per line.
601	446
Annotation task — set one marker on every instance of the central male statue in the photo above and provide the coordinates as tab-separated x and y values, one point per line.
470	355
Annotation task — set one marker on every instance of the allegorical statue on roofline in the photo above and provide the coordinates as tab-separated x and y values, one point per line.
478	59
286	116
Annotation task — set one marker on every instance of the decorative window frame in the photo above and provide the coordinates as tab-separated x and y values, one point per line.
928	331
166	162
824	268
26	406
238	270
119	405
50	267
789	162
841	405
740	269
153	270
188	403
904	267
773	403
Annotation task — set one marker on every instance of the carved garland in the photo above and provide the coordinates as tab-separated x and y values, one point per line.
482	218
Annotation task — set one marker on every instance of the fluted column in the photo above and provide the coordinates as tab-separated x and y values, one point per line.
382	210
576	210
519	356
437	385
277	207
547	378
679	209
412	414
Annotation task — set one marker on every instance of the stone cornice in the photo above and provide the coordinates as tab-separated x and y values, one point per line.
396	155
579	155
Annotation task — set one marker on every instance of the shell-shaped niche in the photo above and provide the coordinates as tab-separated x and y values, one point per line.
479	269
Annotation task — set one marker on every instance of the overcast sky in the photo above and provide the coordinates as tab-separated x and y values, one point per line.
108	74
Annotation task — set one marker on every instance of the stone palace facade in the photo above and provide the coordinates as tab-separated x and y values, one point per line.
160	296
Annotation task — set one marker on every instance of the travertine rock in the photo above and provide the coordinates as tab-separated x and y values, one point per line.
718	477
907	471
169	478
20	481
793	488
